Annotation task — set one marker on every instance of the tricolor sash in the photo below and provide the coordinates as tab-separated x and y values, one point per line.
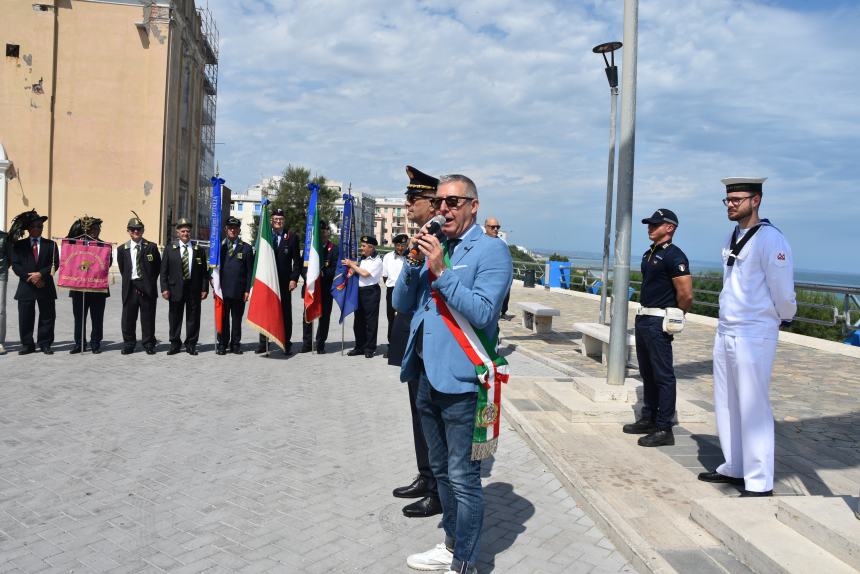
490	368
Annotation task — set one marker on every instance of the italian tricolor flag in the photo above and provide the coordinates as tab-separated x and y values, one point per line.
313	280
264	305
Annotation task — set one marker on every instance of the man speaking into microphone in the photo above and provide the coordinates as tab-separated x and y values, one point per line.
454	288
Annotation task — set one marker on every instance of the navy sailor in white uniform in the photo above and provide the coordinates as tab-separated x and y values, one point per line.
757	297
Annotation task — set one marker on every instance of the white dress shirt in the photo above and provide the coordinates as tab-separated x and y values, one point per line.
374	266
392	265
133	248
190	249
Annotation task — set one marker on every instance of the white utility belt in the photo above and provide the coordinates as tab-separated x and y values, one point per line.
673	318
653	311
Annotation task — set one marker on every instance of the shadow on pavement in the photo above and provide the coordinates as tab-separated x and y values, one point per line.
803	448
505	516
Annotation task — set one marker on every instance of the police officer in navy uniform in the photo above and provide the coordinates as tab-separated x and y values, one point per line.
288	259
34	261
139	263
236	276
184	282
329	266
366	320
666	287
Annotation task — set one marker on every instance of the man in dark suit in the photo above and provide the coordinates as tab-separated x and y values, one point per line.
329	265
139	264
184	282
419	210
236	274
34	261
288	259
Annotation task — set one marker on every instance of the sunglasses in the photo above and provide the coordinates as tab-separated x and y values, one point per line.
493	226
452	201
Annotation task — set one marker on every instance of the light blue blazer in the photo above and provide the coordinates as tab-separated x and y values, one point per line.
475	285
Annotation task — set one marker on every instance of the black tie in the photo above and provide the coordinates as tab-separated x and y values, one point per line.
452	244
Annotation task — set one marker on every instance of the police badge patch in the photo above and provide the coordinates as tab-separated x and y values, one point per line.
682	267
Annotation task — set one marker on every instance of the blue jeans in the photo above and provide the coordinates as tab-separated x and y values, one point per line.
448	422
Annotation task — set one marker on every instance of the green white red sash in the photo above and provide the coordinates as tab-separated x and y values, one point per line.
490	368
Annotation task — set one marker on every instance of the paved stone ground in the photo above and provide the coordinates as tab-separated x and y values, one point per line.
181	464
815	396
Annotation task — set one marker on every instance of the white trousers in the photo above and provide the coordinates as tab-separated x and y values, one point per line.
742	368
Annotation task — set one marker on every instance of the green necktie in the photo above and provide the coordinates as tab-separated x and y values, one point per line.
186	267
138	257
231	250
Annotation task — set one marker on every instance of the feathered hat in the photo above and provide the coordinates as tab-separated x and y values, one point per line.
22	223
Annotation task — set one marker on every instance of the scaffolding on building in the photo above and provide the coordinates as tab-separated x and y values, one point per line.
210	41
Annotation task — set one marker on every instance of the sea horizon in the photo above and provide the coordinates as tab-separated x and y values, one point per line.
820	276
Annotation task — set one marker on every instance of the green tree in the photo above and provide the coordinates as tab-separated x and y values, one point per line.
292	195
557	257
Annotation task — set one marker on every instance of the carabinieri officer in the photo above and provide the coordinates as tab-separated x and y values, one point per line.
366	321
667	293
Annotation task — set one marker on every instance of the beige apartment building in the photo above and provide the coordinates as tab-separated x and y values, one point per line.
390	220
108	106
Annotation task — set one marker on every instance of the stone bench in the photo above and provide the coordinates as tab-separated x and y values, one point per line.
538	317
595	342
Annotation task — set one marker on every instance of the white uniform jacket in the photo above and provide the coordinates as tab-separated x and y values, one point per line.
758	290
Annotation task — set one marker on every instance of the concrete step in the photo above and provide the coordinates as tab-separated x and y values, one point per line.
829	522
577	407
748	527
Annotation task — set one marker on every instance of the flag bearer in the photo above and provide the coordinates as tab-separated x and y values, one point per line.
366	321
236	276
756	299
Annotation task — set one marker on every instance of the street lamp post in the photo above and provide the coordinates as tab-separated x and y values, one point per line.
623	220
612	77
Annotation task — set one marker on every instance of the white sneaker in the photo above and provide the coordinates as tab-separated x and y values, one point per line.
2	350
437	558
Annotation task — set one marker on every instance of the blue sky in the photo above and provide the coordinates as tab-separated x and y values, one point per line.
509	93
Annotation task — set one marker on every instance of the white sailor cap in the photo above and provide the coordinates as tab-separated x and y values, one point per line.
749	184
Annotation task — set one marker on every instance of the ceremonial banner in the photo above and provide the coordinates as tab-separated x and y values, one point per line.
264	306
215	251
344	288
84	265
313	280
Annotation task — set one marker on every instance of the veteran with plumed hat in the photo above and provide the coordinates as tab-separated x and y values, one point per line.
366	321
91	303
34	261
139	262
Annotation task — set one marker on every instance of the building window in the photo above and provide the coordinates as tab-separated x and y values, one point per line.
239	206
256	209
13	50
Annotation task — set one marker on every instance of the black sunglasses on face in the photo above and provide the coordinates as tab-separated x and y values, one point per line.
452	201
493	226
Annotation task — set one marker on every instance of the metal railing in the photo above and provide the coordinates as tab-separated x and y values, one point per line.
846	315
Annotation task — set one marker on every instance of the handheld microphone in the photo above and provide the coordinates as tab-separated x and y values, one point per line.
434	227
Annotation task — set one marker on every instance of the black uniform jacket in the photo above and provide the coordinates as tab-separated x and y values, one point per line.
329	265
288	258
236	272
171	272
150	267
23	264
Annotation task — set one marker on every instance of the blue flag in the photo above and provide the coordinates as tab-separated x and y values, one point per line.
344	288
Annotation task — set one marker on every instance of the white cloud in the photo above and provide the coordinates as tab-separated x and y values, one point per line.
509	93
